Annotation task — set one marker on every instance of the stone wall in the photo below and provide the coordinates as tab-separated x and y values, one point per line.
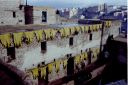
7	8
10	4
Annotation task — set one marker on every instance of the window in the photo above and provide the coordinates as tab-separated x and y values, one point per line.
2	22
20	20
14	14
11	52
44	16
20	7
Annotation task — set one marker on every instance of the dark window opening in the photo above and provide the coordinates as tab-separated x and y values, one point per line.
20	20
76	33
20	7
11	52
44	16
44	46
2	22
57	12
14	14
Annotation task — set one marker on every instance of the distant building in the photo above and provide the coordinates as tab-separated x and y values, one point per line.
11	12
110	8
93	9
73	12
69	12
91	12
102	7
120	14
82	17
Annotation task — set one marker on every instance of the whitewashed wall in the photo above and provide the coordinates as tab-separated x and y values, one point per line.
37	15
31	54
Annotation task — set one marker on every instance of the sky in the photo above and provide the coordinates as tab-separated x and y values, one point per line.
74	3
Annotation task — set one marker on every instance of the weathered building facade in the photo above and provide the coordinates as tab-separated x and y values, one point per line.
41	15
11	12
44	15
28	53
14	12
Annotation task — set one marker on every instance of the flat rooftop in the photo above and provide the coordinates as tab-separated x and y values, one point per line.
120	38
23	28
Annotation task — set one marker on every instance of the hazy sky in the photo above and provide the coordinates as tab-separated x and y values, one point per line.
74	3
